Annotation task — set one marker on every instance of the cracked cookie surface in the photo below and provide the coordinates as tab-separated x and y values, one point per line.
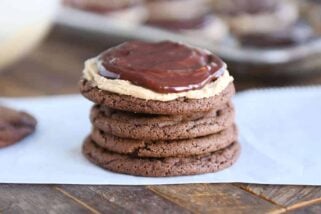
178	148
159	167
137	105
161	127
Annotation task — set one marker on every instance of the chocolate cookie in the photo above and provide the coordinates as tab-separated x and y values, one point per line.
175	148
160	167
181	24
296	34
137	105
160	127
14	126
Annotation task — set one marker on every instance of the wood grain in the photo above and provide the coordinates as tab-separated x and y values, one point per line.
220	198
285	195
122	199
313	209
36	199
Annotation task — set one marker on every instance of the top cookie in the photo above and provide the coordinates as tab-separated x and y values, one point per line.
157	78
137	105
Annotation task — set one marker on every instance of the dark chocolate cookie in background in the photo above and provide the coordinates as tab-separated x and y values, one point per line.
256	16
311	9
130	12
192	18
236	7
177	25
101	6
299	33
15	126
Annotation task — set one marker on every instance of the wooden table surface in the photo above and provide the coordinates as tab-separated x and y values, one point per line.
54	68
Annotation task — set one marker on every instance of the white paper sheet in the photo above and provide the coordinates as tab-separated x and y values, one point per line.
280	134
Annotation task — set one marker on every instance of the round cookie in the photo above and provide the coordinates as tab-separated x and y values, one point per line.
126	12
137	105
175	148
14	126
158	127
253	16
160	167
299	33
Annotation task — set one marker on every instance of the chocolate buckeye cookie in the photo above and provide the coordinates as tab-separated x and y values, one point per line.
14	126
161	109
130	12
143	78
189	17
256	16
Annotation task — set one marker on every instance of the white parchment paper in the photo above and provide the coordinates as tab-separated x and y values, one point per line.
280	134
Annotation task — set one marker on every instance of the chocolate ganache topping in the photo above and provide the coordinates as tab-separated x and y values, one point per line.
102	7
164	67
238	7
177	25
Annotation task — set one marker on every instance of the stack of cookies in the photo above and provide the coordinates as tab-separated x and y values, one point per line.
161	109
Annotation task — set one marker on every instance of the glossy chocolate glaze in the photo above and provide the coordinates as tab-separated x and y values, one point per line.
164	67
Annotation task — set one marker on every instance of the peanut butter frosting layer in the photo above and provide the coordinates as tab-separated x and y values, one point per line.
124	87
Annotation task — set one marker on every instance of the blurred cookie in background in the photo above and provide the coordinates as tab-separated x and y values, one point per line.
312	12
256	16
131	11
160	10
298	33
15	126
189	17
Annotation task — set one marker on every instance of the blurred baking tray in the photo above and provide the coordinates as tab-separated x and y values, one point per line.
300	60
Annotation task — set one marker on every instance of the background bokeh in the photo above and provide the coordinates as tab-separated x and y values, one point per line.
264	42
